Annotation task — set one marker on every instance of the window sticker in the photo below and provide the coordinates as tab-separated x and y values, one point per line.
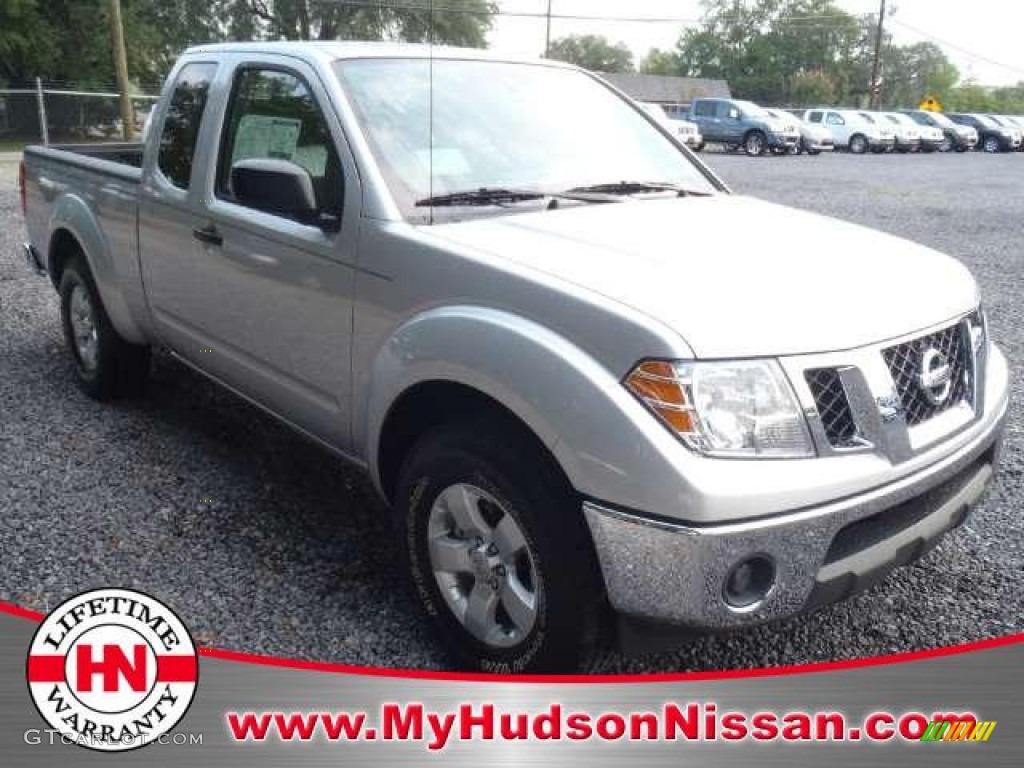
264	136
313	158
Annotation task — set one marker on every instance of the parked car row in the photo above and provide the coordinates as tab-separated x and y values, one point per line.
744	125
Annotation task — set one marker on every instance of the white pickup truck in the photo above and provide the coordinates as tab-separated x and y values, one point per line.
588	380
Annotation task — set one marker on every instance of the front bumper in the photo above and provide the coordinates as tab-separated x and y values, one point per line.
783	140
968	141
668	571
819	145
880	144
908	144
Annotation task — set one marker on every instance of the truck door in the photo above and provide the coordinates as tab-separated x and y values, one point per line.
840	131
260	299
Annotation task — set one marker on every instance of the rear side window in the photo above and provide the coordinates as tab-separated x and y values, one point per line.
704	109
273	115
181	123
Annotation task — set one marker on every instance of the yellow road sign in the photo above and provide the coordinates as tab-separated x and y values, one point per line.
931	104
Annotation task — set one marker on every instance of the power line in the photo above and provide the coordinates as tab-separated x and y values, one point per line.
960	48
422	5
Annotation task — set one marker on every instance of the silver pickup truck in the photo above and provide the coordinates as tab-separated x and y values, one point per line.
590	382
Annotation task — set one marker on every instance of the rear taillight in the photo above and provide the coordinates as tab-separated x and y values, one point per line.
21	189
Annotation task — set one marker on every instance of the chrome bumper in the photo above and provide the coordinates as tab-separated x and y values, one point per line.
664	571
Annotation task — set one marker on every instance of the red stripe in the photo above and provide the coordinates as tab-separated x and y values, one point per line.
176	669
45	669
798	669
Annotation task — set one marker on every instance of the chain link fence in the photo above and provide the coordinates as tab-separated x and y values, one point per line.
53	115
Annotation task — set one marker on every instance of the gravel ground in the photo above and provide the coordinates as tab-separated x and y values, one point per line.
265	544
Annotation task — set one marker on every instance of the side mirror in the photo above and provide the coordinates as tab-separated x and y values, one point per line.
275	186
734	114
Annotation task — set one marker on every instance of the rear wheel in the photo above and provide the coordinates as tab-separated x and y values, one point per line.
499	553
106	366
991	144
858	144
947	144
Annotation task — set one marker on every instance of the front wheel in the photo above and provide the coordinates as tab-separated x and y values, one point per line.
499	552
946	145
858	144
991	144
755	143
106	366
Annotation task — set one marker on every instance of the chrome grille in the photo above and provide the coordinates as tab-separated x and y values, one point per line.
833	407
904	361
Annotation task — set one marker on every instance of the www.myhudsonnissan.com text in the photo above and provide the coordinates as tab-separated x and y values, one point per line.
674	722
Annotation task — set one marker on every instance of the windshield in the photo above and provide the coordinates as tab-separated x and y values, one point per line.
986	121
941	120
750	109
867	117
502	125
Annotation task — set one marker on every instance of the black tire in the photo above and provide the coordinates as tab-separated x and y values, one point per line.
858	144
991	144
498	459
813	152
755	143
119	369
949	144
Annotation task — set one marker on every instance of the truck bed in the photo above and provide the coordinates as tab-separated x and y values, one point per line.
121	153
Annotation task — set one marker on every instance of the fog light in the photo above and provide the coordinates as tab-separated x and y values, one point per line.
749	582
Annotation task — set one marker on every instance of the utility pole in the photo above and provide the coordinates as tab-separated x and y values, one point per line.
121	67
547	36
876	89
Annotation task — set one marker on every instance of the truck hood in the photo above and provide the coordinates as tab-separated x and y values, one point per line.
735	276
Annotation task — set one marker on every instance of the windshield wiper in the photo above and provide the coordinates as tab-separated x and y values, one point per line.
638	188
504	196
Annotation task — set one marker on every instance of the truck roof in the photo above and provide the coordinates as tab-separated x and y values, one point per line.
332	50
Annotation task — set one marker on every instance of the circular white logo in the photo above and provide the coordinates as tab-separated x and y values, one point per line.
112	669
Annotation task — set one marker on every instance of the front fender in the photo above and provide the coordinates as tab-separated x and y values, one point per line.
607	444
74	215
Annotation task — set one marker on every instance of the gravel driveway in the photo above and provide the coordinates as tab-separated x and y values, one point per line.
265	544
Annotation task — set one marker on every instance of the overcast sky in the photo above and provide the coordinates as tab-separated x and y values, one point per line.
982	37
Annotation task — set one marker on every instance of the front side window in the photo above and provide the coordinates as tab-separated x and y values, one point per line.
452	126
273	116
814	117
835	119
182	121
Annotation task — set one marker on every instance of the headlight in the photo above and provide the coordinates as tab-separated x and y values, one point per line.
743	409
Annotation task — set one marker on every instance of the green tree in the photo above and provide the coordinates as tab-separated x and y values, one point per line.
593	52
658	62
912	73
455	22
812	87
765	47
